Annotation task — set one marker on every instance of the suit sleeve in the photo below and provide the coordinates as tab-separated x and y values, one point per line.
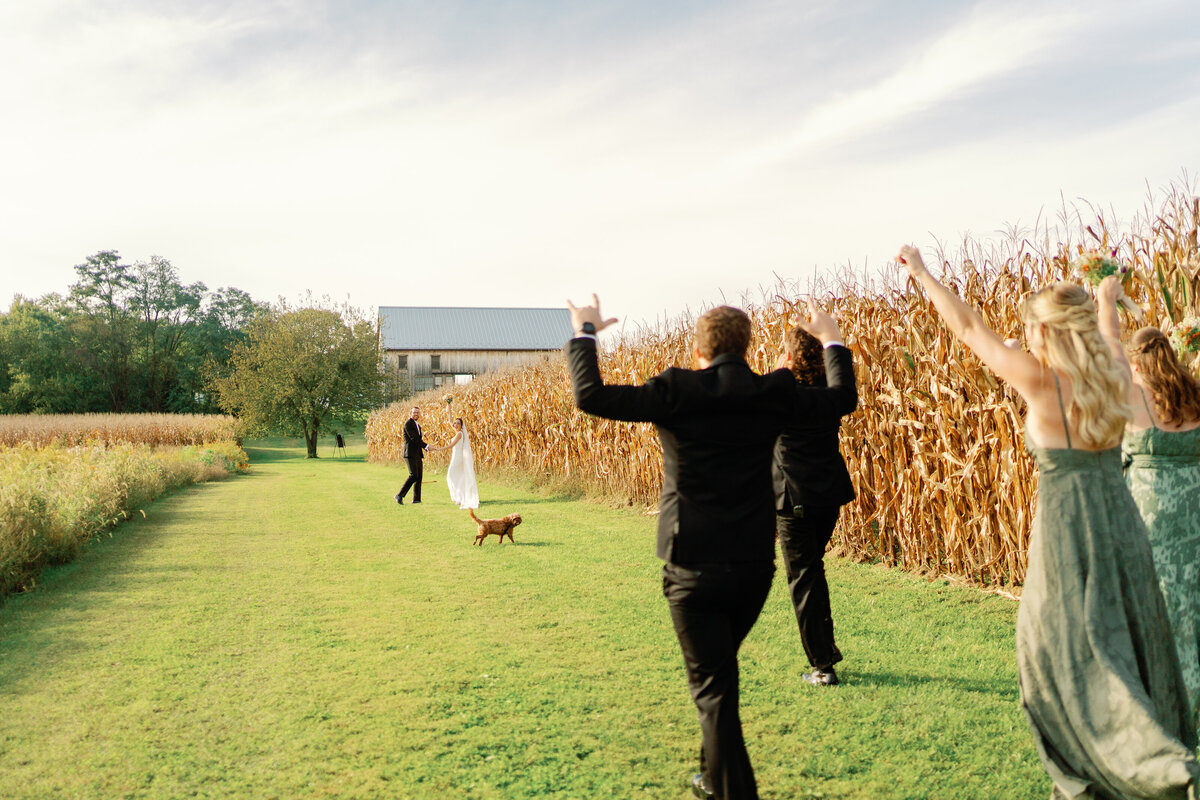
645	403
839	396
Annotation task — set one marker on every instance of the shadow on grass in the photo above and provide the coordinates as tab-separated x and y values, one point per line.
899	680
518	496
281	449
106	565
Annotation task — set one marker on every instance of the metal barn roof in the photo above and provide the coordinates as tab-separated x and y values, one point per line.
434	328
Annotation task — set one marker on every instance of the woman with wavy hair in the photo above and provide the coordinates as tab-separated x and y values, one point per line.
1162	447
1099	678
811	486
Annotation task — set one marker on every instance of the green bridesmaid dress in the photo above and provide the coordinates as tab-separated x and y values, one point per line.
1099	678
1164	478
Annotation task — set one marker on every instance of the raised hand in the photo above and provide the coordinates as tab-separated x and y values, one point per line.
910	257
589	314
1110	290
821	325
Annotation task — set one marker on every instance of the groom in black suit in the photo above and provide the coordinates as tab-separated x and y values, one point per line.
716	522
414	455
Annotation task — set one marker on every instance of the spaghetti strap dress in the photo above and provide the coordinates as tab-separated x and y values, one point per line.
1164	478
1099	679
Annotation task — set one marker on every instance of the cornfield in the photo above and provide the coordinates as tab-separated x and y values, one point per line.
172	430
935	449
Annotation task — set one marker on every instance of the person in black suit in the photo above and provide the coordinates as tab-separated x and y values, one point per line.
716	526
811	486
414	455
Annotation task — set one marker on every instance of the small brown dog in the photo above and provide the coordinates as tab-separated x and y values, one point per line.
500	527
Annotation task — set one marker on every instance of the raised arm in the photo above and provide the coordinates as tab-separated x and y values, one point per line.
1108	293
645	403
1017	367
1108	296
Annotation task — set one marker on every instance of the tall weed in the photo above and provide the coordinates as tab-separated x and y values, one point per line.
53	499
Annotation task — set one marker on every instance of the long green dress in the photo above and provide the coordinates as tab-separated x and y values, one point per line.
1164	478
1100	682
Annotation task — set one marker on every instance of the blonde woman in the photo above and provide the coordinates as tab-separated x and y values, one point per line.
1099	679
1163	444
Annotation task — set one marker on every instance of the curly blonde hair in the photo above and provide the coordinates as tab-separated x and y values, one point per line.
1099	406
1175	391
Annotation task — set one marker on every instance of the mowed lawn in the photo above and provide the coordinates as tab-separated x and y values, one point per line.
293	633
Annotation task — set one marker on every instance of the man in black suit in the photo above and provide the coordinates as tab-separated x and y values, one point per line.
716	526
414	455
811	486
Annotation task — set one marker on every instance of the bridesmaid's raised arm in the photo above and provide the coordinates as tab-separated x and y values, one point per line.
1015	366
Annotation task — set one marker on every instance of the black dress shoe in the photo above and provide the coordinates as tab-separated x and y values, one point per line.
821	677
399	499
700	788
414	502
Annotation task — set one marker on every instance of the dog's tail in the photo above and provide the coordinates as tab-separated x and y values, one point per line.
471	511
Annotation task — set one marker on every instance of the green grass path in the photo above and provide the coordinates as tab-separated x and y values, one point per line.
293	633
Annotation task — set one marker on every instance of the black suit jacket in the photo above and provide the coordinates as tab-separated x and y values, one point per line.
414	445
808	468
718	428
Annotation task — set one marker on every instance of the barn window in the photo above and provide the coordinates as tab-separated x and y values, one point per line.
435	362
402	361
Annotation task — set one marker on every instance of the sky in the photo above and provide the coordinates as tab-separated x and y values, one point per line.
667	156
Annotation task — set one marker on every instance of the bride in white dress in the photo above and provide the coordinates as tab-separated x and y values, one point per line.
460	475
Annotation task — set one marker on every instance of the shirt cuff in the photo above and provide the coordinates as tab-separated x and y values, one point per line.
834	343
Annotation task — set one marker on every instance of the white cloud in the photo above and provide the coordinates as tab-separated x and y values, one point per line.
986	45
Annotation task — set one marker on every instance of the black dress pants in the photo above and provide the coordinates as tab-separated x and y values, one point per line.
416	467
713	607
802	540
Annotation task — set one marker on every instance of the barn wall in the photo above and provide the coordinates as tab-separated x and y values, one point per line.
421	375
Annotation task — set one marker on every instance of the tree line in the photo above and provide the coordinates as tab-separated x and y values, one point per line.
124	338
135	338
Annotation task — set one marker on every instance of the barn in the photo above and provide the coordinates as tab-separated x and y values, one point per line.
429	346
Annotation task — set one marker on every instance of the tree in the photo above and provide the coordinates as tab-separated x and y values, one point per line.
102	295
224	318
43	371
126	338
299	369
165	310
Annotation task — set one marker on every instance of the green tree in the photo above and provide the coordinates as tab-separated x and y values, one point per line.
301	369
126	338
224	318
102	294
44	370
166	311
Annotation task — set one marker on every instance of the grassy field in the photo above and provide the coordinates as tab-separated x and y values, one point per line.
293	633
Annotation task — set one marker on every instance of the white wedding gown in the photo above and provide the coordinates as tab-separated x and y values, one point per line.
460	476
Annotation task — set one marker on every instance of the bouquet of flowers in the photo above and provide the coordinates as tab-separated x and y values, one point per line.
1094	266
1185	337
